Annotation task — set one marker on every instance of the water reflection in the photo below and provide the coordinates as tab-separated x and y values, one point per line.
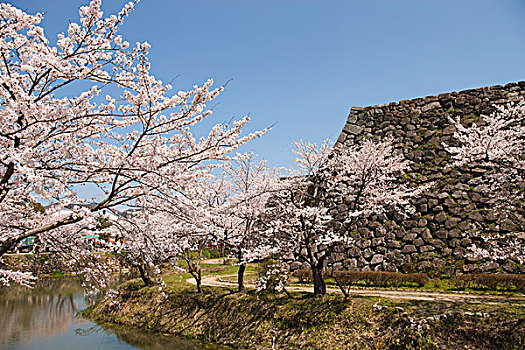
45	318
46	311
144	340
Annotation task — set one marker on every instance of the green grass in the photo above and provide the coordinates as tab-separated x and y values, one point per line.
251	320
433	285
176	279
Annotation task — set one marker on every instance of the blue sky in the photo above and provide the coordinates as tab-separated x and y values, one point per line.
301	64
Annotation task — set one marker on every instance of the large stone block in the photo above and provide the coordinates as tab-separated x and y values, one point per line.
353	129
409	248
377	259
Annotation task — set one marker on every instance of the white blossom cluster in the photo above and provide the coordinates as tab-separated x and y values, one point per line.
303	215
274	279
23	278
498	144
125	131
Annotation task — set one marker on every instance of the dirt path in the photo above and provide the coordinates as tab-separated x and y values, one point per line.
217	281
215	261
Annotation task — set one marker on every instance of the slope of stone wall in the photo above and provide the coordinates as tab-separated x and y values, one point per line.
438	235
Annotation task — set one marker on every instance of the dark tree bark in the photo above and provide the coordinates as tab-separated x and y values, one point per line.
342	288
199	282
240	277
194	267
144	275
198	278
319	285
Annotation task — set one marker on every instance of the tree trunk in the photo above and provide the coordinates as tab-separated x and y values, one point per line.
240	277
198	278
342	288
319	285
144	275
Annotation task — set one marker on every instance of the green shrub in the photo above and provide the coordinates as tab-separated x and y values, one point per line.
502	281
57	274
303	275
369	278
380	278
211	253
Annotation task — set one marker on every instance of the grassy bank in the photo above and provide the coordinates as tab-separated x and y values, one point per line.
263	321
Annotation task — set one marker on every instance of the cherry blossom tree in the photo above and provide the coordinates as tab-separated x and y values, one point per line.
179	224
497	144
197	212
193	245
146	241
218	205
365	177
273	278
87	111
169	227
250	184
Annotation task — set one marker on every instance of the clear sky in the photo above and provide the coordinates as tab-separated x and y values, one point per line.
302	63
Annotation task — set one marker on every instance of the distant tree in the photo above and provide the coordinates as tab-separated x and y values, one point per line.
250	184
174	225
146	238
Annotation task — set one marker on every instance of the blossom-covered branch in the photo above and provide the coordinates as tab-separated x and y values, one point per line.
364	177
125	131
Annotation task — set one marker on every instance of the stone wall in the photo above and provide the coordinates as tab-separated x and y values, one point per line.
448	216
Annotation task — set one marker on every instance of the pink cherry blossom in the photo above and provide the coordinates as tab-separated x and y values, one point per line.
127	133
303	216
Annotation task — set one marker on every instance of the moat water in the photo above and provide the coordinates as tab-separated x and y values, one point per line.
46	317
